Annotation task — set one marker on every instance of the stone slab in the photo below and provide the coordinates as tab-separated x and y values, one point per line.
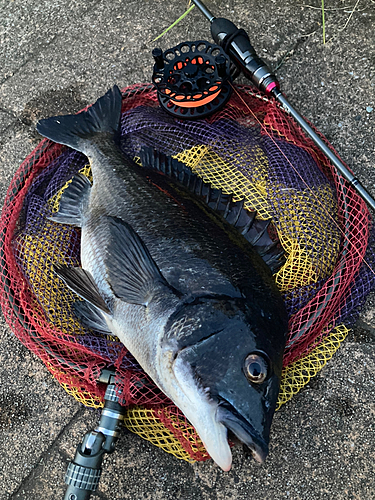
59	56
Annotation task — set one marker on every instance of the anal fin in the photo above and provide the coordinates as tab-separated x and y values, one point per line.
72	201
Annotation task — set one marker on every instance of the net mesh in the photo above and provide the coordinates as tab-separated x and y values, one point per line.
251	149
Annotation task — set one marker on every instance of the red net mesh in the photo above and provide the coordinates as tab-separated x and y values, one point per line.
251	148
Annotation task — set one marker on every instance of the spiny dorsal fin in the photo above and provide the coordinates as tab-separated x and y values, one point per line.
253	229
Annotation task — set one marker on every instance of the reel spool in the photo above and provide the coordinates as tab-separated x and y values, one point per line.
192	79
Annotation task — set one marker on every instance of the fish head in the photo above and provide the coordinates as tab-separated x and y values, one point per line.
227	363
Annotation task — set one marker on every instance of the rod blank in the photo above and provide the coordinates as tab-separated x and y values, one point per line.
353	181
204	10
237	45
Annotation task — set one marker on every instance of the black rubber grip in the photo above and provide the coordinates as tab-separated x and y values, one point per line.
83	478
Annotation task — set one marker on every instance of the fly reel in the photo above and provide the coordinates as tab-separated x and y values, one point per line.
192	79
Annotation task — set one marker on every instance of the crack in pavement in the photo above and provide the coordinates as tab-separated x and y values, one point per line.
290	53
29	478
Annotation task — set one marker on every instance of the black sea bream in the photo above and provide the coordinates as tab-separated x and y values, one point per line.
166	269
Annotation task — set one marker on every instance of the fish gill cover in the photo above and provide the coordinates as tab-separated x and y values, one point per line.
251	149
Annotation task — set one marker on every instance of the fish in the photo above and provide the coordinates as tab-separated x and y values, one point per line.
169	266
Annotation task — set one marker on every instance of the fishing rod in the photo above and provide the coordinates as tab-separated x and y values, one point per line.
84	471
236	44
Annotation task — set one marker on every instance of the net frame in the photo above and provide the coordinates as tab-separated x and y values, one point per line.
313	335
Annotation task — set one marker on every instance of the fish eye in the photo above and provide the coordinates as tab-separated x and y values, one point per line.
256	368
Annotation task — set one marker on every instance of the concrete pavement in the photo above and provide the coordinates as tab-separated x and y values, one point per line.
58	56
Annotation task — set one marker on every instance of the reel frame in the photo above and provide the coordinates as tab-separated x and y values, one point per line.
192	79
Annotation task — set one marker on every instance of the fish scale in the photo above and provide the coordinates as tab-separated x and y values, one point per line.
172	225
175	281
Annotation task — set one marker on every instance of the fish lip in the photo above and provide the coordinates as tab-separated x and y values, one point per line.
243	430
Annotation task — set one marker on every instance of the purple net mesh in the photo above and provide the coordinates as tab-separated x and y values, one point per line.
249	148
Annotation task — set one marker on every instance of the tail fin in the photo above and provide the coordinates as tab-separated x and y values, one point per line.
73	130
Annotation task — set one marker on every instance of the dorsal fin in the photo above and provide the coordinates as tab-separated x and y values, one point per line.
253	229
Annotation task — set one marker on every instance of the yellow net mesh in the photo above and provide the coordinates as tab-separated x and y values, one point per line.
300	212
38	261
146	422
298	374
57	301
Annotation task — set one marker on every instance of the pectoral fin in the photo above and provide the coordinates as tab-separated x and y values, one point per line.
132	273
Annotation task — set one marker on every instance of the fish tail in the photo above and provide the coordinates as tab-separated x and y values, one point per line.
76	130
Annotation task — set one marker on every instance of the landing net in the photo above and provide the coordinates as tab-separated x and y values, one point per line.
250	148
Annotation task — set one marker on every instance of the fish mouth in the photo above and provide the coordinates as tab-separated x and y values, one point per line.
243	430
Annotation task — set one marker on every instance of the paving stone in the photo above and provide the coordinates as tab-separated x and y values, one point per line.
27	27
59	56
47	480
34	410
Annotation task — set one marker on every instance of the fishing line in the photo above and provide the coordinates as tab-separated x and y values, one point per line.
236	44
302	179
